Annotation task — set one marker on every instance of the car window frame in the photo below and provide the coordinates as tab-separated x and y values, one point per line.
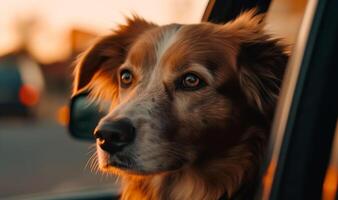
308	83
222	11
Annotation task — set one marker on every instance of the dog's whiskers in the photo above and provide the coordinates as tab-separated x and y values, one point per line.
92	148
92	163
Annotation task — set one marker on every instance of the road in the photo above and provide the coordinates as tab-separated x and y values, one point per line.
40	157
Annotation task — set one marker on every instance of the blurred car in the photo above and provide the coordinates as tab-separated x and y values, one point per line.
21	85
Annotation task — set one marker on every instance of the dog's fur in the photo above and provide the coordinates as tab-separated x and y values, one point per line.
197	144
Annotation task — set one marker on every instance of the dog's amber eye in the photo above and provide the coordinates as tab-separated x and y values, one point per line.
126	78
191	81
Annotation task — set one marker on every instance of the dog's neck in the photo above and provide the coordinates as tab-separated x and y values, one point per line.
203	181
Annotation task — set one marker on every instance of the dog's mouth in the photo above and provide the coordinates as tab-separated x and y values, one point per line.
123	162
127	166
118	162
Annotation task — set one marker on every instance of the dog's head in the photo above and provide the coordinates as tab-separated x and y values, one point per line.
179	93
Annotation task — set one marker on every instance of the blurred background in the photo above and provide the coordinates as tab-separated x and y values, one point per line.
39	41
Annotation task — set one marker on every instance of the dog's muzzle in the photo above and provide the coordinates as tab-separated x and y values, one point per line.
113	136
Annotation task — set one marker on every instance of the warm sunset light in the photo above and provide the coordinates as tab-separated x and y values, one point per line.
63	115
168	99
268	179
330	184
45	24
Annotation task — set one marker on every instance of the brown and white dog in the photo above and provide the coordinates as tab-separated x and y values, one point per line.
191	105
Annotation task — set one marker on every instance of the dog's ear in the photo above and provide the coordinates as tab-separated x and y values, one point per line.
261	66
109	50
261	62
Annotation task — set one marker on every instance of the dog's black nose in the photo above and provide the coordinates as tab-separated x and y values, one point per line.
114	135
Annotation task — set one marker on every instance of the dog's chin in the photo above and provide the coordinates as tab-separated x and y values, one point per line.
124	170
123	165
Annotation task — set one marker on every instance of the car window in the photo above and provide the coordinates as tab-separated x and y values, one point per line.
38	156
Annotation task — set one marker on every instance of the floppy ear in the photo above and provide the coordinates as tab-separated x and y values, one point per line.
261	62
107	53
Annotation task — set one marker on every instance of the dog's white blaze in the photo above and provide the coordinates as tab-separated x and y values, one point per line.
168	38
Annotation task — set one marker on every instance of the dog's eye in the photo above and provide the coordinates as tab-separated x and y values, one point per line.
191	81
126	78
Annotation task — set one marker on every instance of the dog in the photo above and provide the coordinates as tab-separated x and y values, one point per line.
191	105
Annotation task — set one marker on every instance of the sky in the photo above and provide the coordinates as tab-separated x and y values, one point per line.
56	17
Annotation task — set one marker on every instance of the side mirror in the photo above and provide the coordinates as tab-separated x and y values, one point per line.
84	116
